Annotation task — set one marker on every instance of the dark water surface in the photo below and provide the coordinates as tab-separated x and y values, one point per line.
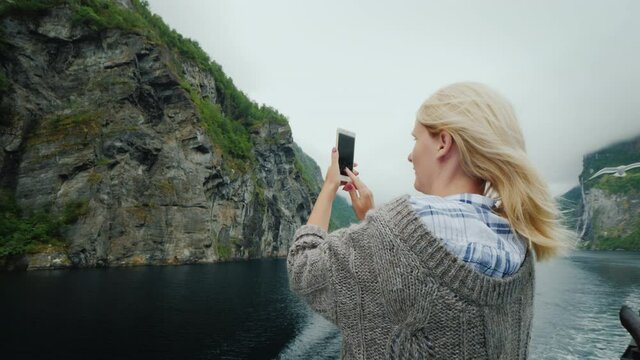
244	310
219	311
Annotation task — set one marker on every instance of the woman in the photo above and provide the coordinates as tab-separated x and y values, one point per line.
449	274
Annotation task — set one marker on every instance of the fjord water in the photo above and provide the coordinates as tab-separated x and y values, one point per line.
577	303
244	310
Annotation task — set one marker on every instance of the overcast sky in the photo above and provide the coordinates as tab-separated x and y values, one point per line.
570	69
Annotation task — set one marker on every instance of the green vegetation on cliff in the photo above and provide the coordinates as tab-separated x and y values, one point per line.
620	153
308	169
229	136
234	103
20	235
630	242
619	185
56	127
228	123
308	180
223	250
615	238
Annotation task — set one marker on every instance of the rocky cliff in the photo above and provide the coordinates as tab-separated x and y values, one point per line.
110	116
605	210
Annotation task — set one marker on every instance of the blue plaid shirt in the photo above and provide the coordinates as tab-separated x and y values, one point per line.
472	231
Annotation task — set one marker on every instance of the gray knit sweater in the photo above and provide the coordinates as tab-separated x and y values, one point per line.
396	292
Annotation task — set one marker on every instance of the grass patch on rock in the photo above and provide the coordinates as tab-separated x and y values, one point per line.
58	127
222	250
619	185
23	235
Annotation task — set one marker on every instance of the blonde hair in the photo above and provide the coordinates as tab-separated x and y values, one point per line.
484	127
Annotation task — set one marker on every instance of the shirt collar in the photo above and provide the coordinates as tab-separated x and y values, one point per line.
474	199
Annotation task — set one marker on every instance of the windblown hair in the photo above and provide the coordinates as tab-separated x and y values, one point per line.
484	127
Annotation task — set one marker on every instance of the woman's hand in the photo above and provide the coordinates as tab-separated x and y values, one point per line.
321	212
361	196
332	179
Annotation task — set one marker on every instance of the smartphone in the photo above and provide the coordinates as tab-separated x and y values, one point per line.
345	143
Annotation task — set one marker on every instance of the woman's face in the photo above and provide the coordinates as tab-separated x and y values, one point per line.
423	157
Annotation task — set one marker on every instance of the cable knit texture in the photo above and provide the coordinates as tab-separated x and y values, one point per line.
396	292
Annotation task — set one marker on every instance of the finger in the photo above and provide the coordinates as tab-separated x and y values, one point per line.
355	164
356	180
348	187
334	155
366	193
353	194
356	173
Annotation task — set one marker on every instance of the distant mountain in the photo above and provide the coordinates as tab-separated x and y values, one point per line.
605	211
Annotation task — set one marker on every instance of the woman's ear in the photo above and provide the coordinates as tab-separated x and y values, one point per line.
445	142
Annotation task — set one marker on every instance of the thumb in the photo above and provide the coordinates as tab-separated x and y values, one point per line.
334	155
354	197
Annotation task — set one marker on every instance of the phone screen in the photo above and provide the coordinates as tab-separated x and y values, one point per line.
346	144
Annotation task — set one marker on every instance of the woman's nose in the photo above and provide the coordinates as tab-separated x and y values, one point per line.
409	158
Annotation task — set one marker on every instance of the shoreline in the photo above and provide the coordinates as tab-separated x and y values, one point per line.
61	261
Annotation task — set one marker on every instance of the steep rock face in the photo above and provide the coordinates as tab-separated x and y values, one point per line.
605	210
610	216
103	120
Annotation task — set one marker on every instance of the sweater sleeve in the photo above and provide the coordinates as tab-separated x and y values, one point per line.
309	265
